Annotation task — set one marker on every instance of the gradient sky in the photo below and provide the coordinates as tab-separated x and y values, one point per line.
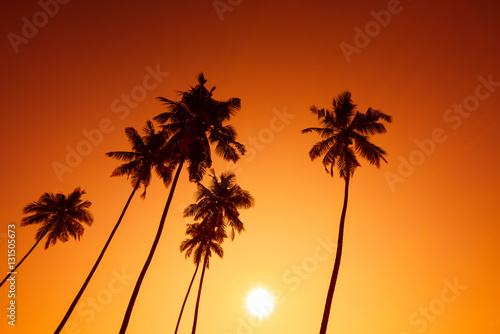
421	244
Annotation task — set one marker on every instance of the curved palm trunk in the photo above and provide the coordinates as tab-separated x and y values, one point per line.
199	295
185	299
131	303
89	277
333	281
29	252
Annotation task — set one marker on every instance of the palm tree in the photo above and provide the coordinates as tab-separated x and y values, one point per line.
204	239
147	153
193	123
217	206
222	199
60	216
345	132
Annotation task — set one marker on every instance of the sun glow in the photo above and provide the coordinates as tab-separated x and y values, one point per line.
260	302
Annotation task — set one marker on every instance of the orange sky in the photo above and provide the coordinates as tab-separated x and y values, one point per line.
421	244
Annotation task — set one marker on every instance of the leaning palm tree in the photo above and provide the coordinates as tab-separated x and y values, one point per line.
147	154
345	132
217	206
193	123
60	216
204	238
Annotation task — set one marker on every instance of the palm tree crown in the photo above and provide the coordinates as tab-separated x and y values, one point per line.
345	132
60	216
219	203
204	239
195	122
148	152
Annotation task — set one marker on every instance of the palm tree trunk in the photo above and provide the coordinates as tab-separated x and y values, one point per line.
29	252
131	303
94	268
185	299
333	281
199	295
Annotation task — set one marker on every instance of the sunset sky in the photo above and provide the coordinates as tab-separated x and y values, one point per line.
421	248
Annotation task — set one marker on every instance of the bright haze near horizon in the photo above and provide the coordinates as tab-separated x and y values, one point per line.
421	241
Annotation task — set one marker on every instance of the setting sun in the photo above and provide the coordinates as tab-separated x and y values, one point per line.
260	302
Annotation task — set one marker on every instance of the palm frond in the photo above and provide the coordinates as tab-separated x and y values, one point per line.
123	155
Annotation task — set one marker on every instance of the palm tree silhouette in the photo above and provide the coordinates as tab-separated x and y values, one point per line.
147	153
345	132
223	198
193	123
60	216
205	238
217	206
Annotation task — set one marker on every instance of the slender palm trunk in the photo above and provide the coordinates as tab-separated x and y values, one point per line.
94	268
195	321
29	252
333	281
131	303
185	299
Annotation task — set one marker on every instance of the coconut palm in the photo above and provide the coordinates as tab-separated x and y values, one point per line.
147	154
222	199
217	206
61	217
193	123
344	133
204	238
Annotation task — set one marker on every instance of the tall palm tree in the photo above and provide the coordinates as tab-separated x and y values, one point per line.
217	206
204	239
193	123
147	154
60	216
345	132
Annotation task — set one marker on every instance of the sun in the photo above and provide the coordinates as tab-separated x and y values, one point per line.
260	302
